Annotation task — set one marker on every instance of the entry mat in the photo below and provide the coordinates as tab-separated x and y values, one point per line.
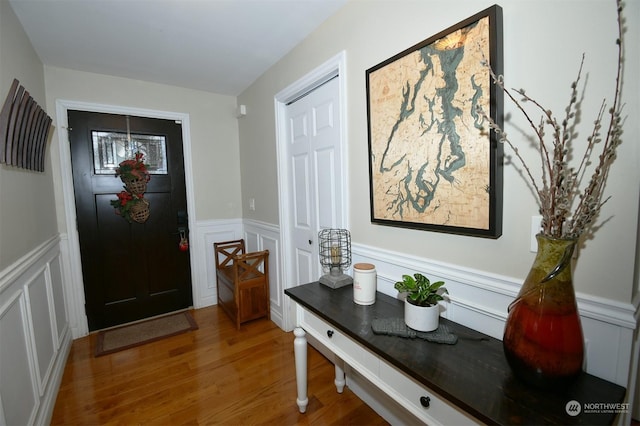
139	333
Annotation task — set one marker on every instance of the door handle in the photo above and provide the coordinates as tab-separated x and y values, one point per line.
183	245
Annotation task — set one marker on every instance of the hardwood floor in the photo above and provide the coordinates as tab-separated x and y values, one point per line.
214	375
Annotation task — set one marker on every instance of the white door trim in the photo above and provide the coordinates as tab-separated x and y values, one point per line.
74	289
332	67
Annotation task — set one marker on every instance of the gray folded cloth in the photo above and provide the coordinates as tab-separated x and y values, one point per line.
397	327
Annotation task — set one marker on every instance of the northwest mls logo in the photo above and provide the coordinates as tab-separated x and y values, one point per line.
573	408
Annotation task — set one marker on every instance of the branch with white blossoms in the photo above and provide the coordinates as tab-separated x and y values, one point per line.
567	209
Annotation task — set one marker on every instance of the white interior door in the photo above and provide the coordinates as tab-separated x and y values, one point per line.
314	154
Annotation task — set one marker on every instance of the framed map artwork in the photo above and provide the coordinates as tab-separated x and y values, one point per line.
433	164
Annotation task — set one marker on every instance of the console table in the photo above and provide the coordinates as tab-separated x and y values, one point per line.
466	383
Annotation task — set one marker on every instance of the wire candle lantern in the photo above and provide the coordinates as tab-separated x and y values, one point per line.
335	257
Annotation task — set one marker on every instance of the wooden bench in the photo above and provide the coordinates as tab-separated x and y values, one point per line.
242	281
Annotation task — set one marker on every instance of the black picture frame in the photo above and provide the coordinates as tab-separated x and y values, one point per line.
433	165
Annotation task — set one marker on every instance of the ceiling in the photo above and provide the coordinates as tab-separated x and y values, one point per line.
219	46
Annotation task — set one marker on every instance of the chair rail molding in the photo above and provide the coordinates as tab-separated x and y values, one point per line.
479	300
36	337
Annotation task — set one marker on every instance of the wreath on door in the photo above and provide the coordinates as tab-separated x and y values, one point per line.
131	203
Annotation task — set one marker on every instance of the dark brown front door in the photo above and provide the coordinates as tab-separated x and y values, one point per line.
131	270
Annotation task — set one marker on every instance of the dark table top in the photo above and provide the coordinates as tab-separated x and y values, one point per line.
473	374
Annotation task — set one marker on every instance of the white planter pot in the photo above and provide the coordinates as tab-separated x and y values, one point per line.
421	318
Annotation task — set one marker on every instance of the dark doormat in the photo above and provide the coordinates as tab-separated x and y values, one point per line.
139	333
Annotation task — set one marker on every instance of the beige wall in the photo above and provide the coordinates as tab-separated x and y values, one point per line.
543	60
543	44
27	213
214	131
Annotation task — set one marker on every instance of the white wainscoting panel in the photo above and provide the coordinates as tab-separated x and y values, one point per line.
35	337
258	236
264	236
55	277
43	339
18	387
479	300
203	272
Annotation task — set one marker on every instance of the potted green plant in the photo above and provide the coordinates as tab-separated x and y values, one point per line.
421	311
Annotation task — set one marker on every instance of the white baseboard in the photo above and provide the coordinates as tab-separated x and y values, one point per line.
48	400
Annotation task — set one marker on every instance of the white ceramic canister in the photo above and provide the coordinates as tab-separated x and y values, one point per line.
365	283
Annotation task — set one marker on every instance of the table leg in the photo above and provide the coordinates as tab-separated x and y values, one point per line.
339	381
300	351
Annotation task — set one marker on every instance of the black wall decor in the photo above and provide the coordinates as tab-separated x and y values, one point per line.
24	128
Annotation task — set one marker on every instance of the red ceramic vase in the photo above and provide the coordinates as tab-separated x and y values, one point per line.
543	340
